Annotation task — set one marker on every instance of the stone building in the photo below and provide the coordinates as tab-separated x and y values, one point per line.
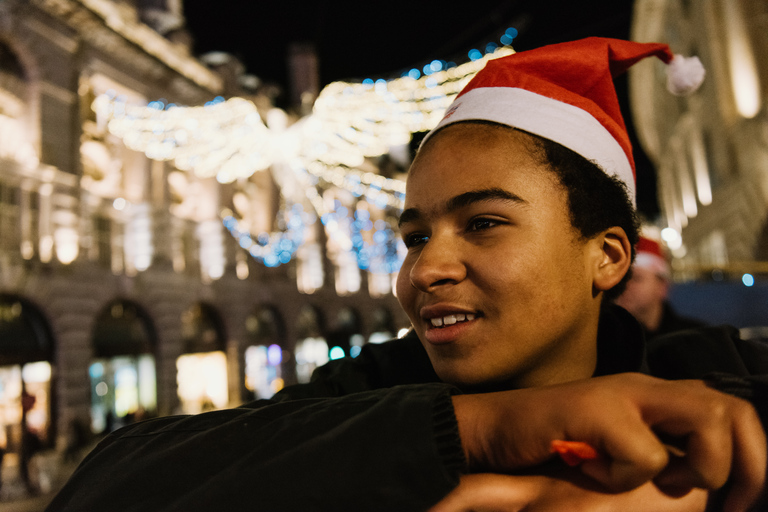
122	293
710	149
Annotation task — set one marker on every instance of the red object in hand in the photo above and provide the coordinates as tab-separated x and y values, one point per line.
573	453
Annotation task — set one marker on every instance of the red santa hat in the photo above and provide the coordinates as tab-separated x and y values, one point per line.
650	255
565	93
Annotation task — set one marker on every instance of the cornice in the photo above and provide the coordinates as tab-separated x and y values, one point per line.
104	25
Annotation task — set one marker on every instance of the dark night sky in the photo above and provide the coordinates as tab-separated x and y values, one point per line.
356	40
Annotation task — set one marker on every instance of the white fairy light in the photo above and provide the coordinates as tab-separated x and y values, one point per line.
350	122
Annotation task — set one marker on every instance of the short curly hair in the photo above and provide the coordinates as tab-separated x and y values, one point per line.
596	201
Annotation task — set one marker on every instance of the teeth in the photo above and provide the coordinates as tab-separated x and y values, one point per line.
451	319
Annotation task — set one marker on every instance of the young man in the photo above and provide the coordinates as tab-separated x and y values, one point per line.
518	225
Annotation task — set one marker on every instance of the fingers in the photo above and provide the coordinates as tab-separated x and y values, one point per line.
628	418
722	437
725	442
749	470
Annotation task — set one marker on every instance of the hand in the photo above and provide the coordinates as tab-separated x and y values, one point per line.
491	492
622	416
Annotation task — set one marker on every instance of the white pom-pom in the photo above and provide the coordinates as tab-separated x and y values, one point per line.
684	75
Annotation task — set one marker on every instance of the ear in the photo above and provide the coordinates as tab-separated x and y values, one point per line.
613	258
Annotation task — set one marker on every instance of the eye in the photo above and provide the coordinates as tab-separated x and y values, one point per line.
482	223
414	239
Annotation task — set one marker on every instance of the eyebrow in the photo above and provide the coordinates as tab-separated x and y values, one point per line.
463	200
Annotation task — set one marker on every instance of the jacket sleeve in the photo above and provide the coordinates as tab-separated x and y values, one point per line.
395	448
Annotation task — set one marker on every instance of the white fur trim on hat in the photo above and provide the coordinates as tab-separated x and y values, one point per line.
560	122
684	75
653	262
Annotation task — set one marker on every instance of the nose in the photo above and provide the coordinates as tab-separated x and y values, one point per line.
439	264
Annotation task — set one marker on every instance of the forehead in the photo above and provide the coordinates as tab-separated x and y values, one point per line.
470	156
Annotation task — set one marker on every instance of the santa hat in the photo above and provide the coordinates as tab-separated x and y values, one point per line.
565	93
650	255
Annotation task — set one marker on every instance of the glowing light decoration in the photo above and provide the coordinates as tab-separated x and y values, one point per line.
276	248
349	122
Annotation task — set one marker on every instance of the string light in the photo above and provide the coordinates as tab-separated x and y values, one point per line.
349	123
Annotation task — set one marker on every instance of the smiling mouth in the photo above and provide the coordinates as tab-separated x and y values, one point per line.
447	320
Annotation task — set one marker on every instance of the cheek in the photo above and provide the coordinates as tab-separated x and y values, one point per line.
403	287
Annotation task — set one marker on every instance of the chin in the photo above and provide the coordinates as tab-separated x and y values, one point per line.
471	382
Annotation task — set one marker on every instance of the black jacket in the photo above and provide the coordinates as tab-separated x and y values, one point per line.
372	433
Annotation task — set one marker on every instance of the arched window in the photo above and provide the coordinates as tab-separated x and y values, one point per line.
264	354
26	350
311	346
383	327
122	373
202	370
346	337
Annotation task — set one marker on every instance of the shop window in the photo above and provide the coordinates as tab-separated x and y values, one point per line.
202	370
122	373
345	338
264	355
25	381
383	326
311	348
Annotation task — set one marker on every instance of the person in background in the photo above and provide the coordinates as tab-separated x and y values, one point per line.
520	226
647	292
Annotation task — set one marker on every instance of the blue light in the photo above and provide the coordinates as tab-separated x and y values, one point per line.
491	47
436	65
511	32
505	40
431	83
271	260
368	83
748	280
354	351
336	353
414	73
427	69
96	370
274	355
475	54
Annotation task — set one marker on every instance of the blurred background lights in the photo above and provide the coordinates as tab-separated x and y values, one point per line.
475	54
672	237
336	353
748	280
509	35
274	355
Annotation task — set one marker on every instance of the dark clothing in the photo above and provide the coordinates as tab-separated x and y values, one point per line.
672	321
373	433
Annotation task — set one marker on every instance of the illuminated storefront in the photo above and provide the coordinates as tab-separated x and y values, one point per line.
202	370
26	348
383	326
264	354
122	373
346	339
311	347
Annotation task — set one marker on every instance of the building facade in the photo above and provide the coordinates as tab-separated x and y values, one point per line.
123	293
710	149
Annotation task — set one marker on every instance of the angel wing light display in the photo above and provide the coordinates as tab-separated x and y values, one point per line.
229	140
